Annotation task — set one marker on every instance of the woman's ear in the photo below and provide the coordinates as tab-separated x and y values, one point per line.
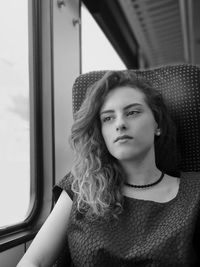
158	132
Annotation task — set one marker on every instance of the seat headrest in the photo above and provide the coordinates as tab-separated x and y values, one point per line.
180	88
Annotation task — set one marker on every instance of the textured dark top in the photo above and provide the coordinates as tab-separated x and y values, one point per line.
147	233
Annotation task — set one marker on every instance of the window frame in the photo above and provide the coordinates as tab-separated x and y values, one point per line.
41	123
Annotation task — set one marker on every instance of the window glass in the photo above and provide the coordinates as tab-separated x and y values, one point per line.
97	51
14	113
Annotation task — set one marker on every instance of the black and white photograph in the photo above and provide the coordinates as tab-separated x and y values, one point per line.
100	133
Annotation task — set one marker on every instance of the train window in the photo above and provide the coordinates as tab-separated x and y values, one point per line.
14	113
97	51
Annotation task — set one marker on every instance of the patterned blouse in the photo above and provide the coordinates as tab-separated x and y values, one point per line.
146	234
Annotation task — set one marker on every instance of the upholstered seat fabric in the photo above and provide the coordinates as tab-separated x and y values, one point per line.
180	88
148	233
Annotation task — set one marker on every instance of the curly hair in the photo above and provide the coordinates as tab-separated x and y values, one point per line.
98	178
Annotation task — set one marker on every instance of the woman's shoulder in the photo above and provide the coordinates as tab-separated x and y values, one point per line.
186	186
67	180
64	184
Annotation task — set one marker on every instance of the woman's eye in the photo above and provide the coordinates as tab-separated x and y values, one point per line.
105	119
132	112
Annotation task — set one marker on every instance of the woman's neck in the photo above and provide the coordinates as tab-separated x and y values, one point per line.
140	173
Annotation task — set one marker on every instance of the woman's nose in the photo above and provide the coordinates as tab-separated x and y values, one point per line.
121	125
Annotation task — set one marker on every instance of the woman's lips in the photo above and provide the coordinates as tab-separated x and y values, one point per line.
123	138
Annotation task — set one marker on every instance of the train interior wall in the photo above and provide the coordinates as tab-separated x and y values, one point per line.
66	67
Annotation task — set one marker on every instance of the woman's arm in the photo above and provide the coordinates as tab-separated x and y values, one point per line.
49	241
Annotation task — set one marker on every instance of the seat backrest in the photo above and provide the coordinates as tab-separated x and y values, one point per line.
180	88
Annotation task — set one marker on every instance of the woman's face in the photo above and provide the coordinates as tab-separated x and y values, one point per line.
127	124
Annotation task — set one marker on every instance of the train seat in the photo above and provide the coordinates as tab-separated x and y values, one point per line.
180	88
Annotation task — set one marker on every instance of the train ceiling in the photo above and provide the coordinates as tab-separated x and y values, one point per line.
163	31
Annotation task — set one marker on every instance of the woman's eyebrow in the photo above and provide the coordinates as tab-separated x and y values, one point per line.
133	105
125	108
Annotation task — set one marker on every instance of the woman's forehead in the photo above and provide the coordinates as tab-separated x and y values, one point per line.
122	96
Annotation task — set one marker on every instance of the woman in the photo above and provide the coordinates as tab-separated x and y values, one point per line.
121	204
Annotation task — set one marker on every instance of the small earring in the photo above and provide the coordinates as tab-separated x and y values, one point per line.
158	132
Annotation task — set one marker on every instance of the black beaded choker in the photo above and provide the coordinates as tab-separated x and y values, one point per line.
146	185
